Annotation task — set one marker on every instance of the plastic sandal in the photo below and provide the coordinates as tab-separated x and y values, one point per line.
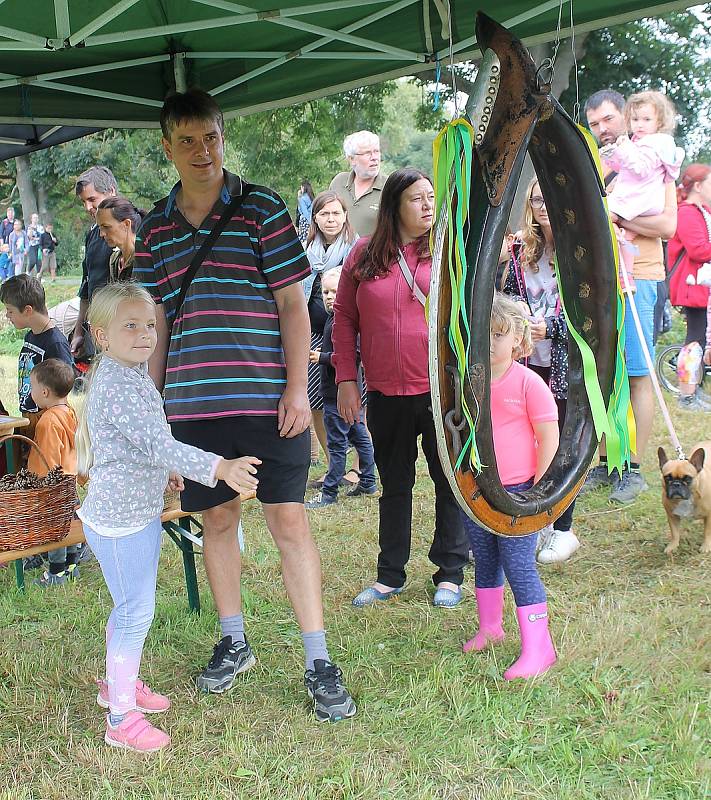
447	598
371	595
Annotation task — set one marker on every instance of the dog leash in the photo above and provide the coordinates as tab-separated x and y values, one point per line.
650	366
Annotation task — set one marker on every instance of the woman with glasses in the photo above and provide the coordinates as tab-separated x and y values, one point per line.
329	241
531	278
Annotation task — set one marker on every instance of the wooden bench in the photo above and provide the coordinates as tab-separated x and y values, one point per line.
181	526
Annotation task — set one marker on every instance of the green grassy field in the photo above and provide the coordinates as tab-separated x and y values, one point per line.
624	715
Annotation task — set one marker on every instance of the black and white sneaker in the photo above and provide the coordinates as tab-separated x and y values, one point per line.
227	662
38	561
331	700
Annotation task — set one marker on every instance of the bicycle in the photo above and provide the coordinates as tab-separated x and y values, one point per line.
665	367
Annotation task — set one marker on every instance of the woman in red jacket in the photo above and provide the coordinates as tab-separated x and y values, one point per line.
692	242
381	299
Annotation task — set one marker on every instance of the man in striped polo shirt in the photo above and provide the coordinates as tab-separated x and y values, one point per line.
232	363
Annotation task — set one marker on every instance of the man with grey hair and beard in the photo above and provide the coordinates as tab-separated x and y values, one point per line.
360	187
92	186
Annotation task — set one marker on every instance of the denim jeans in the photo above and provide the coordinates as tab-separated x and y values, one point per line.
130	565
60	556
338	434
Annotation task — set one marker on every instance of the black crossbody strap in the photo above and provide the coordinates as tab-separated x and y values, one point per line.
682	252
678	261
206	246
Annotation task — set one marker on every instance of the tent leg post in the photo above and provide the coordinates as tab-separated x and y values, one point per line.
179	72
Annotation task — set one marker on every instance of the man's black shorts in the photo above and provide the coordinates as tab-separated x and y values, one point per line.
285	462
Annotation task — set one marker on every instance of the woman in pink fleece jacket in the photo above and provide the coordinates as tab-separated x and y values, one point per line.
380	299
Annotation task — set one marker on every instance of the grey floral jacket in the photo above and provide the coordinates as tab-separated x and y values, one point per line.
133	448
556	326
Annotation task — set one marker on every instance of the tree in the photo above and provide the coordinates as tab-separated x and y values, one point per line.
26	188
282	147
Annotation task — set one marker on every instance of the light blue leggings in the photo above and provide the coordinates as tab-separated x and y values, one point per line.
130	566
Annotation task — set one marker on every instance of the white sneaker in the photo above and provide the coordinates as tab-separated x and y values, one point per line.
544	537
560	547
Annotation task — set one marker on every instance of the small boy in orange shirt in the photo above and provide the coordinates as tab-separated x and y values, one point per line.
51	382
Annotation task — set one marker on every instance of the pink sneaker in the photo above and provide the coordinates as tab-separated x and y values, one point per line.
147	701
136	733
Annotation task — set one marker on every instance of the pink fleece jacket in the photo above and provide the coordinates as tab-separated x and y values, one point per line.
391	324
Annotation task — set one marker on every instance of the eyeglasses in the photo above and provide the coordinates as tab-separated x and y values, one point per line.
538	203
374	152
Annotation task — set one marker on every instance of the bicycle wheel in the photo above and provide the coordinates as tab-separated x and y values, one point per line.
666	368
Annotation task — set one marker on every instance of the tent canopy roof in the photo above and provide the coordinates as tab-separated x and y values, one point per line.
104	63
18	140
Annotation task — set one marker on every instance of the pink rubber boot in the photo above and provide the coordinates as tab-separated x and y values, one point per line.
537	651
490	604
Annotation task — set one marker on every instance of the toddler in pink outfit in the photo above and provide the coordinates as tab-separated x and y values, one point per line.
644	164
648	160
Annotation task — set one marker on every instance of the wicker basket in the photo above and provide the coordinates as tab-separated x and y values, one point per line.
171	500
32	517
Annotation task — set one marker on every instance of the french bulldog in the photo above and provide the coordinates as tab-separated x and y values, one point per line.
686	492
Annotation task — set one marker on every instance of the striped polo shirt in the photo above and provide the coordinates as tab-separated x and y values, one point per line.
225	356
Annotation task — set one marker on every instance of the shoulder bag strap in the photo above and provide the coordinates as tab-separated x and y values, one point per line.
675	266
682	252
206	246
407	274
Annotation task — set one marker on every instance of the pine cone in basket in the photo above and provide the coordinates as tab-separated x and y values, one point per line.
25	480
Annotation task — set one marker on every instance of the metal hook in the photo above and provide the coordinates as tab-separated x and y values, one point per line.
544	85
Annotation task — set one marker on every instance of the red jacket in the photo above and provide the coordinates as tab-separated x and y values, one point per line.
391	324
692	235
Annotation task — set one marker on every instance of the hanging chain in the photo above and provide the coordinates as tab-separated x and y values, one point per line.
546	70
451	61
576	106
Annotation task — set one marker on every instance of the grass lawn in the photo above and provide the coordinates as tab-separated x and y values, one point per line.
623	715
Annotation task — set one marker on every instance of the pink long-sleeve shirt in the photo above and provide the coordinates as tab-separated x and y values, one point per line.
391	323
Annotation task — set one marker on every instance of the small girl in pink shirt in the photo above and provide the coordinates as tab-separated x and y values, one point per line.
524	419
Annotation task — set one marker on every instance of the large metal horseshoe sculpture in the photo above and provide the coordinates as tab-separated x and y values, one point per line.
516	114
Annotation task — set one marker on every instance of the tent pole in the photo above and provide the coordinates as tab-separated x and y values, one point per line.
179	72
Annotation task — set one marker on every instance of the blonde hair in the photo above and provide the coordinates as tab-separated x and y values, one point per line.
531	234
335	273
506	316
662	105
102	310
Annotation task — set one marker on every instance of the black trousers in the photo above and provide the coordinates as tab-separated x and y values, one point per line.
395	424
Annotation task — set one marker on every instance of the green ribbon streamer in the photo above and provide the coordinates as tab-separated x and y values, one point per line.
620	428
452	155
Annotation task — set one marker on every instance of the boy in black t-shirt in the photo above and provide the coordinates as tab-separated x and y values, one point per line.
25	308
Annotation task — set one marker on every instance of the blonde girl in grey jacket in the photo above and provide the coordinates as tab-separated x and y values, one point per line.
125	446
